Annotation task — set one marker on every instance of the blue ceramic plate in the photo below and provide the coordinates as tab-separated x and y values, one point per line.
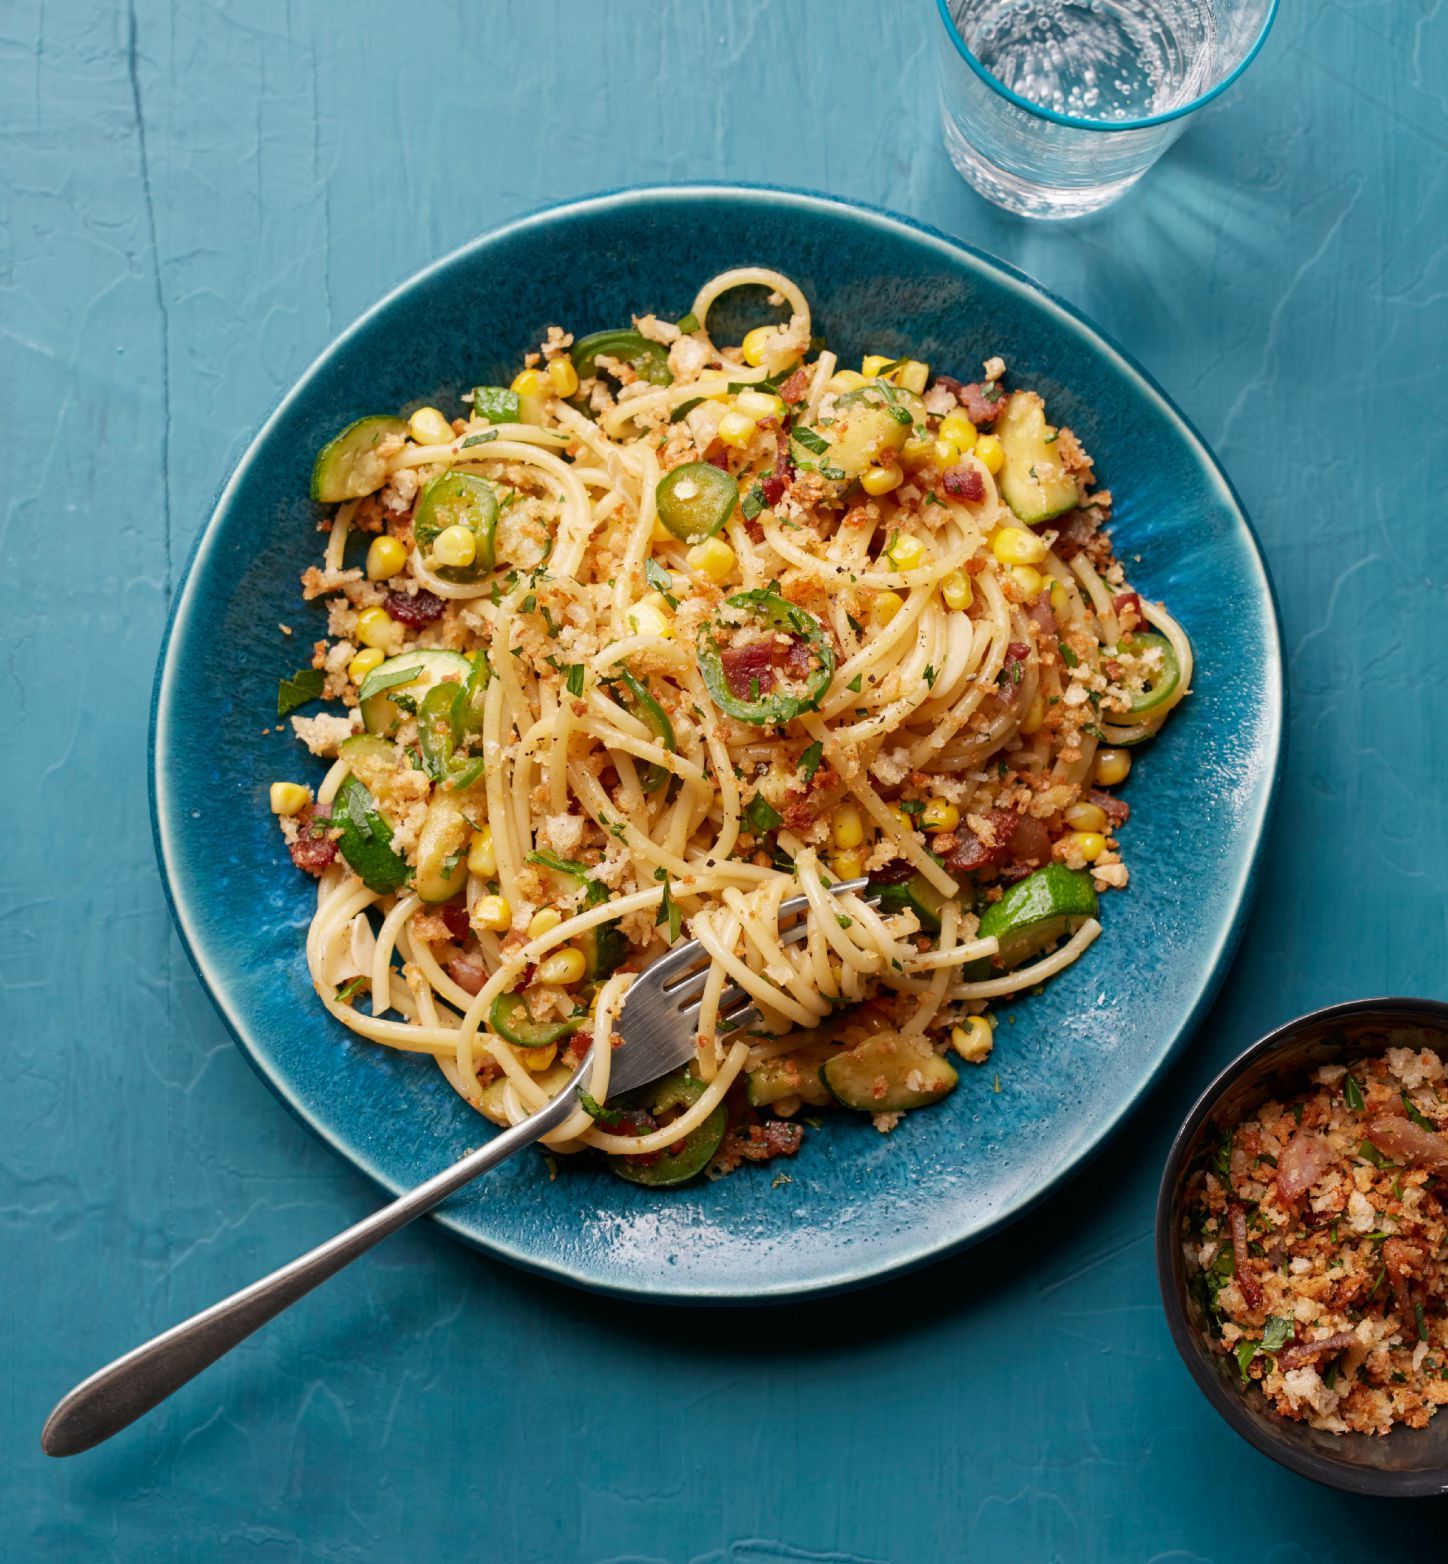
1071	1061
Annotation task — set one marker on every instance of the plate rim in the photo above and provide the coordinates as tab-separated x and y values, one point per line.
165	823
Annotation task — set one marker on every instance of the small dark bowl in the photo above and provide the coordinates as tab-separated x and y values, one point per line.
1407	1462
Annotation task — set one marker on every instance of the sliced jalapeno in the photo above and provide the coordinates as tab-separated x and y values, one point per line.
695	500
435	729
649	360
1157	682
512	1021
452	500
687	1158
497	404
653	716
742	677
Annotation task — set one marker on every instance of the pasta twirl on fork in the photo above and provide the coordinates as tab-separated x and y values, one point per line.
665	632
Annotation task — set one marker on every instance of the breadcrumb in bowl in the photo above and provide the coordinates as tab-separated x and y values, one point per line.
1328	1350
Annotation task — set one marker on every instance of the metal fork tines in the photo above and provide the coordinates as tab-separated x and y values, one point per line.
660	1011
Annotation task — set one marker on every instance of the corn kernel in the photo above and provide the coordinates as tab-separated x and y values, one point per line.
492	912
385	557
873	364
756	344
364	662
1035	715
907	553
428	427
759	404
944	453
848	865
661	533
530	382
991	452
847	828
956	590
1111	766
538	1059
940	815
880	480
916	451
959	430
648	618
377	628
1016	546
289	798
543	922
563	967
1028	580
562	377
885	607
911	375
482	858
1086	844
973	1040
907	822
1085	817
455	546
844	380
736	430
713	559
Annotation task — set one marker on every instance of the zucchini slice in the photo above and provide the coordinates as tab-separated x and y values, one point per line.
915	895
1158	679
511	1019
1035	912
1033	480
442	848
349	467
676	1164
795	1074
888	1073
458	499
410	674
552	1080
603	946
868	421
366	840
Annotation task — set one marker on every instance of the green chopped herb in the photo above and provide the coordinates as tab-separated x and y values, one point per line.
573	675
1352	1093
689	323
930	676
669	909
1245	1352
347	990
1416	1114
1276	1333
1068	657
811	440
843	921
479	439
1370	1153
683	410
809	762
834	474
761	816
303	686
854	624
854	684
661	581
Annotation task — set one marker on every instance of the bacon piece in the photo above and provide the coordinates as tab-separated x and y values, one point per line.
1296	1353
467	970
1040	611
312	850
1013	671
896	872
1405	1141
1250	1288
455	915
963	483
982	406
1401	1259
765	1141
1075	529
773	488
762	660
1305	1158
1127	602
1116	810
1018	839
414	609
794	388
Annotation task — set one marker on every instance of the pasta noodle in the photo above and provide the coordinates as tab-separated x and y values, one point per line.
668	632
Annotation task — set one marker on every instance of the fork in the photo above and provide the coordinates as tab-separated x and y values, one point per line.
657	1025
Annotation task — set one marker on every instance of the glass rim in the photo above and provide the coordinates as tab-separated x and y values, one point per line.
1076	122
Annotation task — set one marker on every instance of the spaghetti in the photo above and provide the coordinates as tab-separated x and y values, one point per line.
666	632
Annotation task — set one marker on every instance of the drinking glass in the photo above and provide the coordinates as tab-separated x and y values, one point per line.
1053	108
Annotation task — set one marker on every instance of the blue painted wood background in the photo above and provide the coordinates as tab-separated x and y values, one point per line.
195	198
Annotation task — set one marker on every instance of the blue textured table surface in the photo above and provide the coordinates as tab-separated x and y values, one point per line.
193	203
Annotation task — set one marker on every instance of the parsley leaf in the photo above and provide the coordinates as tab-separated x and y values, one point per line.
659	578
479	439
574	678
683	410
303	686
752	503
1276	1333
761	816
930	676
811	440
1415	1113
1068	657
668	909
348	989
854	684
809	762
1352	1093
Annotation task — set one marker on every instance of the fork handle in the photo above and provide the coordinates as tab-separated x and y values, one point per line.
122	1391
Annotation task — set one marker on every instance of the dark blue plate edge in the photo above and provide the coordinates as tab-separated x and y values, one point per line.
1245	892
